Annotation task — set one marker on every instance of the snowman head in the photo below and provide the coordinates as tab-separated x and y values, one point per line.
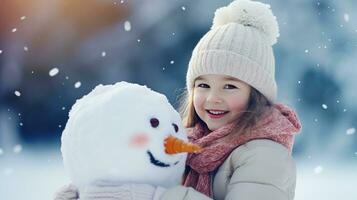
117	133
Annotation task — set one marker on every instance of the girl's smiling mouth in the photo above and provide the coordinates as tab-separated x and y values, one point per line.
215	114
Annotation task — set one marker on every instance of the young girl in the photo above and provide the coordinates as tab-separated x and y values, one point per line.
230	109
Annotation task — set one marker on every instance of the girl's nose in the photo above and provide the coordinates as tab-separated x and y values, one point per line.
214	97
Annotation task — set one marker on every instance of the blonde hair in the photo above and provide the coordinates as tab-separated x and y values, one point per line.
257	104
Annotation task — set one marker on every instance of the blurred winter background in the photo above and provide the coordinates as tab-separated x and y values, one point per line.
53	52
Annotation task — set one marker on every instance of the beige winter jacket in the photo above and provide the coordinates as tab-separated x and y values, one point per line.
258	170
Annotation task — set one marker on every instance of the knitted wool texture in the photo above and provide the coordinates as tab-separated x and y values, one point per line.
239	44
279	124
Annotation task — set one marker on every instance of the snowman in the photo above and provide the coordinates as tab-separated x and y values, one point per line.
123	133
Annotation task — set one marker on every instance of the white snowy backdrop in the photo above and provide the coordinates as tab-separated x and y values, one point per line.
53	52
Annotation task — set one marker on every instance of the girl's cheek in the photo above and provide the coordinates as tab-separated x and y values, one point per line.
239	104
139	140
198	101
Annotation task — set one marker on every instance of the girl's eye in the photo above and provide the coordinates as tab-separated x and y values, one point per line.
229	86
203	85
154	122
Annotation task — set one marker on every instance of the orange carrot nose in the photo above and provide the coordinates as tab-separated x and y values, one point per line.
174	145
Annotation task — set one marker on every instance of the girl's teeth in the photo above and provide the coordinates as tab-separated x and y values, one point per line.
216	112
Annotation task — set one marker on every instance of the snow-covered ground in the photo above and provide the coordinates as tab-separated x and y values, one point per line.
31	175
37	174
331	181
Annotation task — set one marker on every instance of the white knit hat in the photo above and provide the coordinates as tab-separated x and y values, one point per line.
239	44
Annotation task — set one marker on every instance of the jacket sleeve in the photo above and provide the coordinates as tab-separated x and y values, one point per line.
67	192
263	170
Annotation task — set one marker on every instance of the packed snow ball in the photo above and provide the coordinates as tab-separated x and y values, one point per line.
249	13
116	133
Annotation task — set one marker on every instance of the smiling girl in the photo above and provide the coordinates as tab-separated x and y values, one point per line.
230	110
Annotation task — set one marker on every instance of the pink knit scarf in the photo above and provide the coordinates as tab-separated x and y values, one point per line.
279	124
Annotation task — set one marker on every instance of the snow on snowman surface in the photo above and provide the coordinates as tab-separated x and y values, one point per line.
116	133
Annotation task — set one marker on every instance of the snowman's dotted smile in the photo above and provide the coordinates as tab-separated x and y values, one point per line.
157	162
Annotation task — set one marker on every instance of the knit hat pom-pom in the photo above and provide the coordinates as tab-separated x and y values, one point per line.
249	13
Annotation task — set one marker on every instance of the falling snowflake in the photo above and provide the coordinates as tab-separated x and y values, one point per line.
318	170
324	106
138	40
350	131
26	48
21	124
0	51
17	148
1	151
104	54
127	26
17	93
77	84
346	17
306	51
63	108
53	71
183	8
299	82
23	18
14	30
172	62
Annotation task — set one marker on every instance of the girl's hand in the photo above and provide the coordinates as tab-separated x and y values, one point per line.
67	192
123	191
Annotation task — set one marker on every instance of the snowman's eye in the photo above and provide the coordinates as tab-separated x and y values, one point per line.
175	127
154	122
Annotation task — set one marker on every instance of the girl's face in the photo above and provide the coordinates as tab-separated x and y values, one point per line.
220	99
